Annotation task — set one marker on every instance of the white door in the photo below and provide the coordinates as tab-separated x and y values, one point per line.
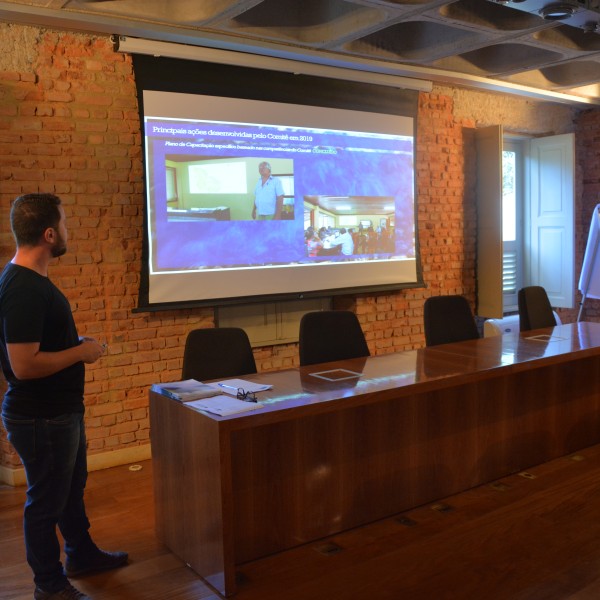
550	227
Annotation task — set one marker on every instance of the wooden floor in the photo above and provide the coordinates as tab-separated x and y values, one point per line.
531	536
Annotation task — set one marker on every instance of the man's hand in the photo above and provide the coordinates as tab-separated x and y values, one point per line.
91	350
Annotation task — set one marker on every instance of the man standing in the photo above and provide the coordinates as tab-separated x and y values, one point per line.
345	241
43	359
268	195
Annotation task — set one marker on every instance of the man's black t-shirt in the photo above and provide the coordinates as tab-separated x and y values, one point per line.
33	309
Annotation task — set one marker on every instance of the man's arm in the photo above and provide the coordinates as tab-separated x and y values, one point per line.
28	362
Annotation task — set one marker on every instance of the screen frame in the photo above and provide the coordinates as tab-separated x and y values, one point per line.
183	76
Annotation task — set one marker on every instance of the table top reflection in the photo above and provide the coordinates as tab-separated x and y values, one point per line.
313	388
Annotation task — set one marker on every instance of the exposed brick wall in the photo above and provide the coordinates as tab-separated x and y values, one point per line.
69	125
445	187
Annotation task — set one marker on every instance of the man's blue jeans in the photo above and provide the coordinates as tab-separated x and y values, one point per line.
53	452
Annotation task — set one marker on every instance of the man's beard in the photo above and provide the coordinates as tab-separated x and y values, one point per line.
59	247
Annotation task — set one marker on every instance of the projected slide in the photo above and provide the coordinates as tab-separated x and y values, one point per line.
247	194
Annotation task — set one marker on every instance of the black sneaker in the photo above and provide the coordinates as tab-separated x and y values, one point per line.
101	561
67	593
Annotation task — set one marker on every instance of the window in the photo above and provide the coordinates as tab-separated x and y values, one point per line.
218	177
347	221
171	174
326	220
307	218
512	223
287	182
525	219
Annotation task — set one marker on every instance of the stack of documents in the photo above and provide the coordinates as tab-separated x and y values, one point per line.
212	397
223	405
186	390
232	386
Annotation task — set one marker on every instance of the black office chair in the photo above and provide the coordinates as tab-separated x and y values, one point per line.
448	319
330	335
217	353
535	311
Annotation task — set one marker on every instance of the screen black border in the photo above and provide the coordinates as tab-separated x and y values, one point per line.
210	79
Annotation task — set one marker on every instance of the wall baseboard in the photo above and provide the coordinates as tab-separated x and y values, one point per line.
13	477
96	462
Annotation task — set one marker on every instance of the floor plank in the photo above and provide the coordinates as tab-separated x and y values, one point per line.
533	537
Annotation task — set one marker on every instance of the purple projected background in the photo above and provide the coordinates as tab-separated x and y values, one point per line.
324	163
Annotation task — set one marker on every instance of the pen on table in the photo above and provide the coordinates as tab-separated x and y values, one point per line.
229	387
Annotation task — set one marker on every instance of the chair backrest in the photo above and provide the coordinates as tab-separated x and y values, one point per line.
217	353
448	319
329	335
535	311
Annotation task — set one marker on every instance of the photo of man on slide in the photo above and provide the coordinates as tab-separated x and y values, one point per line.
268	195
226	188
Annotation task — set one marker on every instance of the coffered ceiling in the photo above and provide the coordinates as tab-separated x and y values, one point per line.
543	48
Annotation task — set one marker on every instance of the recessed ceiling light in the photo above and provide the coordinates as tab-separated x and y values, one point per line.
557	12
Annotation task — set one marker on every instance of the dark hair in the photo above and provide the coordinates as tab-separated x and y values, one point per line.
31	215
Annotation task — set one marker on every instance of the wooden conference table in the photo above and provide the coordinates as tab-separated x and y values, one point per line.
324	456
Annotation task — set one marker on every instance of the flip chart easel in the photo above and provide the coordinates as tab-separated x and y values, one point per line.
589	280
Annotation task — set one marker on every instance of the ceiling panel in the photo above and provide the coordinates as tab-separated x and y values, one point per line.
543	44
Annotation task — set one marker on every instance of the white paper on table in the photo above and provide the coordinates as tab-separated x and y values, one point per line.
223	405
231	386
